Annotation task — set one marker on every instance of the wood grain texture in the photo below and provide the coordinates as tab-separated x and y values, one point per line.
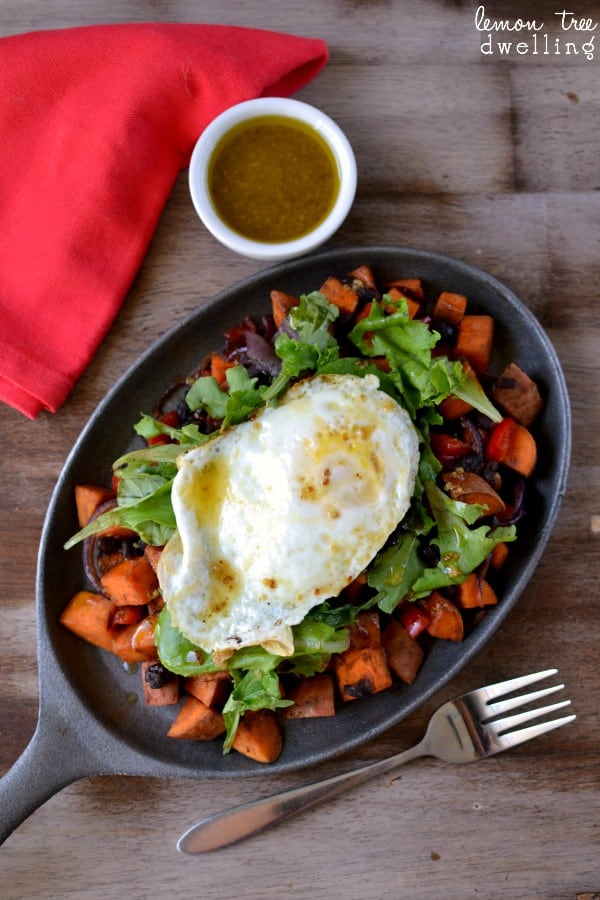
492	160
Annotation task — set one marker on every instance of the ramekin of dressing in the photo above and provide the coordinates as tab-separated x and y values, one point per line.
272	178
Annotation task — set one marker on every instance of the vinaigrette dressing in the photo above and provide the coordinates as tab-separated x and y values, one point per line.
273	179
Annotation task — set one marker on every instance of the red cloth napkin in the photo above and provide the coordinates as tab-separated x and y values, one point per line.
95	124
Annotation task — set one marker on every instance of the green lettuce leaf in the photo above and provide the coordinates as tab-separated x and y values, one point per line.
470	390
400	573
422	380
151	516
312	344
149	427
461	548
395	570
178	654
233	403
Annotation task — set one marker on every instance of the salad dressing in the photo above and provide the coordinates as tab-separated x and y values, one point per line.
273	179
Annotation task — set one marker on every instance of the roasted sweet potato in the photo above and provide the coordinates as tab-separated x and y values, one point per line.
160	689
156	604
196	722
89	616
259	736
475	341
124	647
517	395
454	407
450	307
110	502
313	697
499	555
365	631
475	591
360	673
413	287
339	294
128	615
281	303
364	274
446	621
131	582
212	689
143	637
403	653
219	366
152	554
88	497
414	307
468	487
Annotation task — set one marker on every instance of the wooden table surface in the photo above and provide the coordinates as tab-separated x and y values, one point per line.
488	157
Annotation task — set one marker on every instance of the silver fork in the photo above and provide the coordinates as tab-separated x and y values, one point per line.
460	731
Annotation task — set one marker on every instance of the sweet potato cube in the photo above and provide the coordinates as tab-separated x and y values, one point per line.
143	637
446	622
128	615
450	307
164	694
313	697
152	554
124	647
403	653
259	736
414	308
212	689
339	294
517	395
365	631
131	582
412	286
360	673
89	616
499	555
475	591
281	303
88	497
196	722
475	340
364	274
468	487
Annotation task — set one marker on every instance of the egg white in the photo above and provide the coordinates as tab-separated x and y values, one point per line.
282	512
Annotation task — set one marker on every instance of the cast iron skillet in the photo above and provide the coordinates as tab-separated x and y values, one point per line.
89	723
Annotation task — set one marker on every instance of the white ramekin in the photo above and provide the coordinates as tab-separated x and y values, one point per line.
276	106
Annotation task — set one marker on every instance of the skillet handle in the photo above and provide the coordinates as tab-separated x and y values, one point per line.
52	760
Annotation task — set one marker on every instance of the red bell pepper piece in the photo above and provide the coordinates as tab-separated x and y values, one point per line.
447	449
498	441
414	619
170	418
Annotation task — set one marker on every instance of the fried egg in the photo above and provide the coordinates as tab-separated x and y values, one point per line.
279	513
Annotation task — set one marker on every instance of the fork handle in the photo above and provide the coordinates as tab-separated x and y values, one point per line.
242	821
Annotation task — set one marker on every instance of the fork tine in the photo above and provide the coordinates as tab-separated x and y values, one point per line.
502	706
501	726
493	691
526	734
